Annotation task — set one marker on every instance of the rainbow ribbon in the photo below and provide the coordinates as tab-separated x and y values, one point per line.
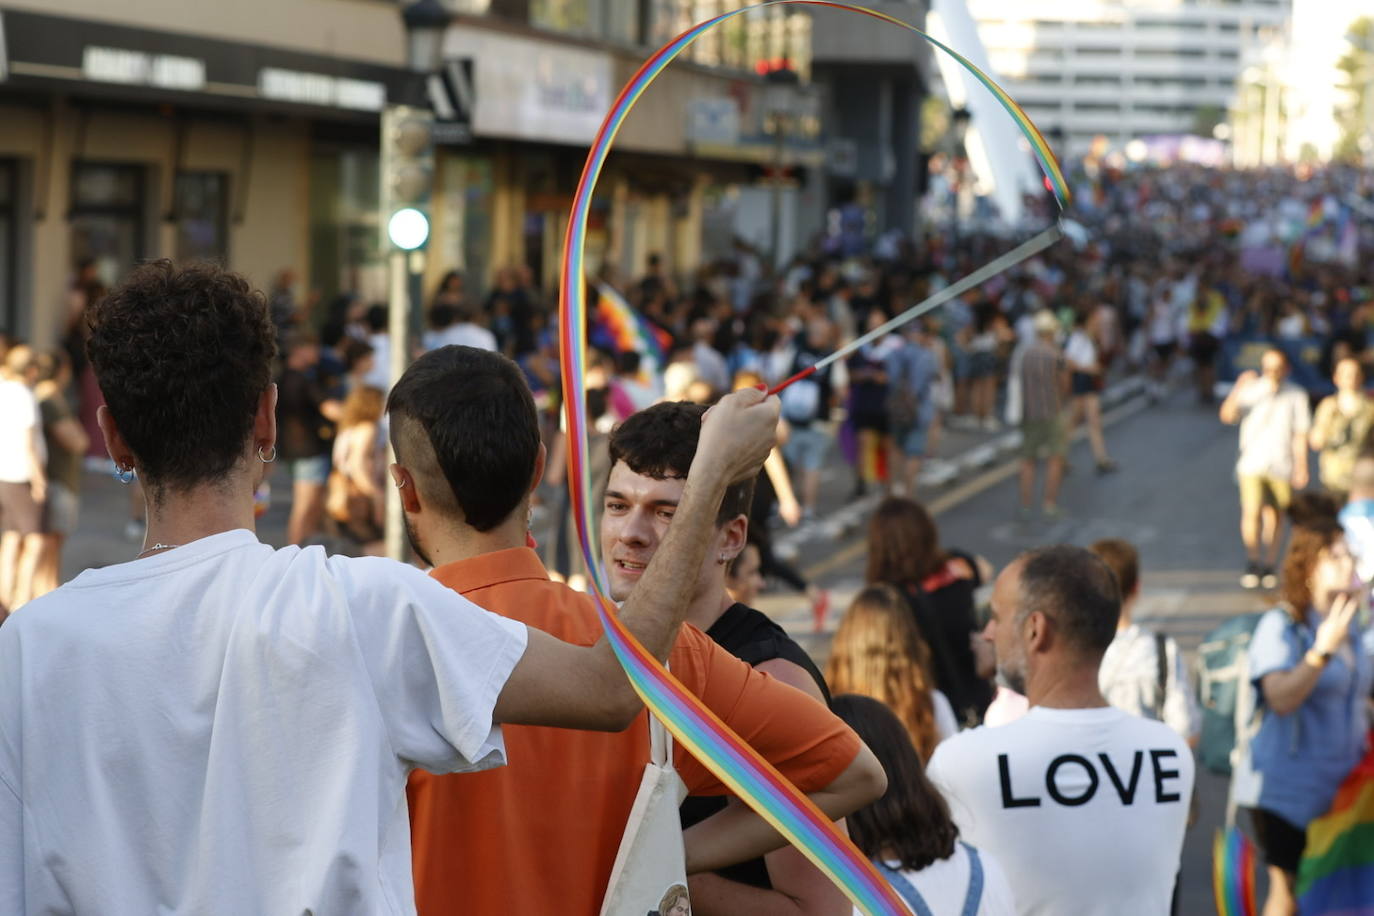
705	736
1233	873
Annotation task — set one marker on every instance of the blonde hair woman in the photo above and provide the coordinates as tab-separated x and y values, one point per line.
355	499
879	653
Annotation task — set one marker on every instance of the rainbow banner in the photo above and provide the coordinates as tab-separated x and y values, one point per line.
1336	875
631	332
1233	873
705	736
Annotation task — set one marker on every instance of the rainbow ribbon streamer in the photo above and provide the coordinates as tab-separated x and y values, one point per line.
1233	873
704	735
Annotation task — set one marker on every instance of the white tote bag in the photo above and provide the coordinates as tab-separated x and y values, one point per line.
650	871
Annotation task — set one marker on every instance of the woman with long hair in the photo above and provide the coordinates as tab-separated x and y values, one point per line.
904	551
877	652
355	499
1312	682
909	833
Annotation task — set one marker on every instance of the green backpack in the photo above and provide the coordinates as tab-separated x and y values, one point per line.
1225	690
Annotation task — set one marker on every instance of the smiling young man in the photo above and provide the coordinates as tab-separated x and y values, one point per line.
650	454
541	834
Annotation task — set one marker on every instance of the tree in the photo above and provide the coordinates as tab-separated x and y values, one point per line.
1357	65
1206	118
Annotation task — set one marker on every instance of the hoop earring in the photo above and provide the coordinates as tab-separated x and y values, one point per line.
124	475
267	460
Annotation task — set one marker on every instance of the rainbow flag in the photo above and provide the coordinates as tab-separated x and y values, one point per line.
1316	214
1233	873
630	331
1336	876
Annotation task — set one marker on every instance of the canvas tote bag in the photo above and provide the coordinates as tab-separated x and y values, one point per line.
651	861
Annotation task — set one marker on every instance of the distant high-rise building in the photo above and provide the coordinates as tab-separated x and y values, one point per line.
1124	69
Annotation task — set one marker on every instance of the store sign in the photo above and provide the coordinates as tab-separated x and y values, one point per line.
318	89
713	121
37	47
532	89
137	68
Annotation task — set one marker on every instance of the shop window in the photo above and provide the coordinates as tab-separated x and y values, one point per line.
345	225
9	307
201	209
107	218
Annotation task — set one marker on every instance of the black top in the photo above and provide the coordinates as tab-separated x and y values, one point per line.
302	431
754	638
946	618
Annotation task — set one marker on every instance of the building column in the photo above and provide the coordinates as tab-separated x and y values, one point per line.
901	187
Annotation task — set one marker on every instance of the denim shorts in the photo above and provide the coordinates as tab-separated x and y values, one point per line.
806	448
310	470
913	440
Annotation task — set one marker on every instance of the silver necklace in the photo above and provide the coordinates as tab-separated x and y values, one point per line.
156	547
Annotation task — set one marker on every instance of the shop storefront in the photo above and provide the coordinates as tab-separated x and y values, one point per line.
132	143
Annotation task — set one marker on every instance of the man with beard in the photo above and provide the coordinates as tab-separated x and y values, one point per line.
1084	805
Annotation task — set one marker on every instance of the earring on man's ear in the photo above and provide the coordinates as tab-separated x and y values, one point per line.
267	460
124	475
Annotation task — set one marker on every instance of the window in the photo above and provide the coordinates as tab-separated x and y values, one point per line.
201	210
8	224
345	225
1097	108
1097	79
107	217
573	16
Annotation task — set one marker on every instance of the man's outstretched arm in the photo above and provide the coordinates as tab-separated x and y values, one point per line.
584	687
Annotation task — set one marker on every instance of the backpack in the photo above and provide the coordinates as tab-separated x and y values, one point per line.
1225	690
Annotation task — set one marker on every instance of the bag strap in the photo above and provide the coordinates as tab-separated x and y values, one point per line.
660	743
902	886
975	881
1161	672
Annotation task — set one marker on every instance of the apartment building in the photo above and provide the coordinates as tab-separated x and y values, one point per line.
1124	69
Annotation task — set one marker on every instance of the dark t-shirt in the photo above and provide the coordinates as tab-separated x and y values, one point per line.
63	466
943	606
754	638
303	432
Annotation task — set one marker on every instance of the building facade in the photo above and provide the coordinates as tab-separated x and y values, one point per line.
238	132
249	133
1125	70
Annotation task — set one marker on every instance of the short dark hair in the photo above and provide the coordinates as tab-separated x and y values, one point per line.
182	355
474	410
377	318
661	441
911	821
1123	560
1076	589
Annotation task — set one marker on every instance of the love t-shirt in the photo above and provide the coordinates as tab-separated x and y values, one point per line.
1083	808
228	728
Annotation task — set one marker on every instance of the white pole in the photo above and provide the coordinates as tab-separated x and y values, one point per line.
397	328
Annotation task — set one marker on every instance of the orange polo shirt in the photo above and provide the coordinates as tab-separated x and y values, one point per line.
540	834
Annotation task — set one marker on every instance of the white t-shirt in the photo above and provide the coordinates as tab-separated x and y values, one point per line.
19	421
228	728
379	376
944	885
1129	679
1084	808
946	722
462	334
1080	350
1271	420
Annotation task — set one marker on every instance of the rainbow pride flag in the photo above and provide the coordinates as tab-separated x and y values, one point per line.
1336	876
1233	873
630	331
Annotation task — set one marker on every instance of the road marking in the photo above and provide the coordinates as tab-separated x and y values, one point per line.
965	492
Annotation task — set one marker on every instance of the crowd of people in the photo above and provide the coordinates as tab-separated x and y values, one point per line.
1035	756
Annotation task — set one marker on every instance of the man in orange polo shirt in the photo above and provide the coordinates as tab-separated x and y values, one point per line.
541	834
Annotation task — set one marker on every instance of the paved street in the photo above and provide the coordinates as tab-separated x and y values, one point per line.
1173	497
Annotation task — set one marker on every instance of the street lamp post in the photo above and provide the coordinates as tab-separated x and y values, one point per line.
407	231
779	100
958	130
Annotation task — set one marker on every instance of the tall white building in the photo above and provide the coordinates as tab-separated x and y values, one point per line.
1123	69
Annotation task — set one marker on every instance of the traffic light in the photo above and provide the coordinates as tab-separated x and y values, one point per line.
407	176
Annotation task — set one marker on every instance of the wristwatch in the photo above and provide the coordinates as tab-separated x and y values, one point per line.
1317	659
